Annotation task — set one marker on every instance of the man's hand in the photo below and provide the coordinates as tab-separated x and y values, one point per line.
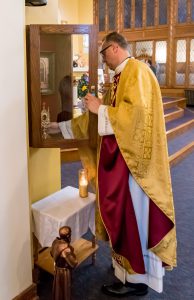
92	103
53	125
53	128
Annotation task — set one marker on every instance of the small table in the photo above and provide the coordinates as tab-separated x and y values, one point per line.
64	207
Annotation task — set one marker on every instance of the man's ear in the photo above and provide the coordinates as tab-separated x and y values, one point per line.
115	48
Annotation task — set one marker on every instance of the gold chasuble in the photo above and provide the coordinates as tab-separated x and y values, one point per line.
138	123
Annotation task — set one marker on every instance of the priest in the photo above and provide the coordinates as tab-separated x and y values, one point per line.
135	210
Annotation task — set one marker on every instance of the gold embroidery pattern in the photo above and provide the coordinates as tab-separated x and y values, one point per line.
123	262
114	89
142	139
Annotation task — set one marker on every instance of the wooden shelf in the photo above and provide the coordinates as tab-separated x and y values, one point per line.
83	249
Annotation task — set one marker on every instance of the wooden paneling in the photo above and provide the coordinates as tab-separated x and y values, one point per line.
150	34
186	30
169	32
173	92
69	155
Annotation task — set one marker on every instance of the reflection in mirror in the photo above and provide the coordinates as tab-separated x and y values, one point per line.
80	72
64	76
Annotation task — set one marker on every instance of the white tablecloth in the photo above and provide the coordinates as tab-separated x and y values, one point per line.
64	207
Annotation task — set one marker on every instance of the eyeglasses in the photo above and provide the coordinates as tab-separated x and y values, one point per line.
102	51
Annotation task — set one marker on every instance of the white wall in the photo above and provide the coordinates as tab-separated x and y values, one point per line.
15	249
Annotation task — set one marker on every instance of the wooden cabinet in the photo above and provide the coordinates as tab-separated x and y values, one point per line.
52	74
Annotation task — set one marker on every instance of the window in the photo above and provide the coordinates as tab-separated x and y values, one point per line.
138	13
160	56
112	14
163	12
127	13
180	62
101	14
182	11
150	13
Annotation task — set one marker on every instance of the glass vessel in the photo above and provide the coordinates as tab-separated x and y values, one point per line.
83	183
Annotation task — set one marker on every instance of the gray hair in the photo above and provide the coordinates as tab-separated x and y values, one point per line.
117	38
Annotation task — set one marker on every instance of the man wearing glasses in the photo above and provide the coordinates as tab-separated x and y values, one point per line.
135	203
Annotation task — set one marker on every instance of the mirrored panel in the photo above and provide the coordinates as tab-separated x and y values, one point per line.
64	75
61	71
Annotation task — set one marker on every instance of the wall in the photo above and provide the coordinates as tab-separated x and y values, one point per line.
47	14
76	11
85	11
44	172
15	250
44	164
69	11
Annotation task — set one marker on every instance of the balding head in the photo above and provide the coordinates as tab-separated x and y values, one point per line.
114	37
114	49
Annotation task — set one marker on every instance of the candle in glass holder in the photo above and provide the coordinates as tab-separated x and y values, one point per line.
83	183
